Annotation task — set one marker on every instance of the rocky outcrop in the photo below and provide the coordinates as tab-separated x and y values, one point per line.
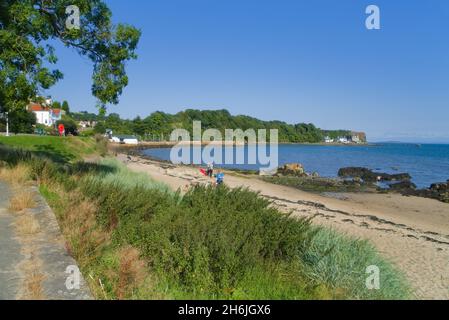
440	191
292	169
358	179
402	186
437	191
368	175
440	187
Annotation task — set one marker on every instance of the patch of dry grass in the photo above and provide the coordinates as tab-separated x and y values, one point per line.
80	228
27	225
34	286
132	272
22	200
17	175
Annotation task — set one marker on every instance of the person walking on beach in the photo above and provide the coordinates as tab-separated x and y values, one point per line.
210	170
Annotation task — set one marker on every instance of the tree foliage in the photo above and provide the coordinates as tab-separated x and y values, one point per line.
159	125
69	125
21	121
65	107
28	26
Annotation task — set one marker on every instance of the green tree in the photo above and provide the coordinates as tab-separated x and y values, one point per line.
100	128
138	126
65	107
69	125
56	105
21	121
27	28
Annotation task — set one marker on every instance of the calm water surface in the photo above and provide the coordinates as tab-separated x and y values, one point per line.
426	163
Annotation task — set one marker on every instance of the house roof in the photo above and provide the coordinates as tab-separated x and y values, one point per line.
36	107
56	112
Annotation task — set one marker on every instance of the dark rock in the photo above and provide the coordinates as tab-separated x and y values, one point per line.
440	187
396	177
357	180
440	191
403	185
368	175
437	191
357	172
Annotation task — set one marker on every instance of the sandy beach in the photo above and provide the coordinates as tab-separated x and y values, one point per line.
411	232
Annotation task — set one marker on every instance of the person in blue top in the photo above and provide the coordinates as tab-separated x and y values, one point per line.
219	178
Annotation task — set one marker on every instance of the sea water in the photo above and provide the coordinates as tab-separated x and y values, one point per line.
426	163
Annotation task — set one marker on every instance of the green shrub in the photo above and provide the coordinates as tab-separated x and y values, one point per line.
214	237
101	145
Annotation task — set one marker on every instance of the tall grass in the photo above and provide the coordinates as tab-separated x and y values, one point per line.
342	262
121	177
137	239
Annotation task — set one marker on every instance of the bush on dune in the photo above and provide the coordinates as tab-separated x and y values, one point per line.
215	238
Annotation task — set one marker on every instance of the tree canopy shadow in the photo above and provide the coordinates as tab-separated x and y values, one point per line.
14	156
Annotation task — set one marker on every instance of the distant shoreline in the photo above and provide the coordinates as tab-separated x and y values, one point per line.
168	144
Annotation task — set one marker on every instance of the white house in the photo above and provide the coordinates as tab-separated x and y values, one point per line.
45	115
343	140
355	139
87	124
124	139
328	140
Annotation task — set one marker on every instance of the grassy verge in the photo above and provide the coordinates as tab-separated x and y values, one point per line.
136	239
59	149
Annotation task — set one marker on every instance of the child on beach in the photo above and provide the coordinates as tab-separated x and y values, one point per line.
219	178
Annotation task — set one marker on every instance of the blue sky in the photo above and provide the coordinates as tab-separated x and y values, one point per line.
296	61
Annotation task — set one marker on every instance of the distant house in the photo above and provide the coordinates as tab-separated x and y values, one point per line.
343	140
355	139
45	115
87	124
328	140
124	139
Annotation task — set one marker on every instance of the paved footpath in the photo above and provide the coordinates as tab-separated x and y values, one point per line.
44	253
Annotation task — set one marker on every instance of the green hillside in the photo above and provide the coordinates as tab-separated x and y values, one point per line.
159	125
